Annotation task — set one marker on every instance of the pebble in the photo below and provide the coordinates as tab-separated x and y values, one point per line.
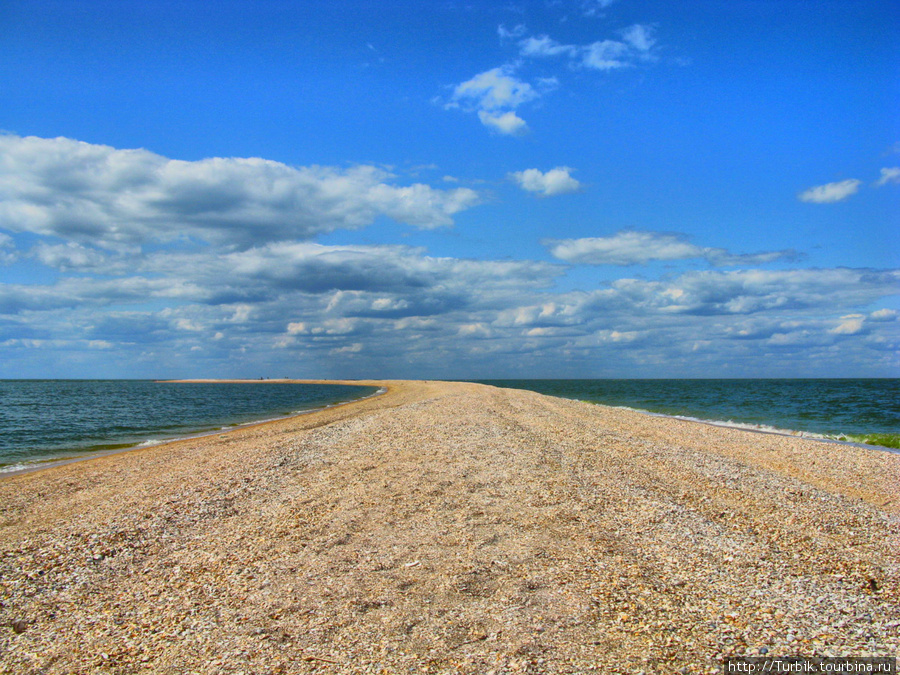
396	533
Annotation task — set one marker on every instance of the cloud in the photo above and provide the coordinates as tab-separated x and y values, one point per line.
636	44
544	46
114	199
513	33
830	192
556	181
505	123
595	7
8	253
640	37
606	55
495	95
755	291
494	89
70	256
852	324
884	315
889	175
393	308
638	248
156	267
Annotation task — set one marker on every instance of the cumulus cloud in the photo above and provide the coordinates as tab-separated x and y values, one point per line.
830	192
884	315
495	95
444	314
545	46
494	89
513	33
889	175
638	248
606	55
636	44
556	181
256	288
640	37
505	123
851	324
98	195
7	249
595	7
70	256
754	291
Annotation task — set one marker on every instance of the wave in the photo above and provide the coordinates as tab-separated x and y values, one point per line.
889	442
73	454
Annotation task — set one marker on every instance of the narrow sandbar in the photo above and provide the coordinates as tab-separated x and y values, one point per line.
451	527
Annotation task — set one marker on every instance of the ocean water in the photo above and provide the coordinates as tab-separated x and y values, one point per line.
856	410
45	420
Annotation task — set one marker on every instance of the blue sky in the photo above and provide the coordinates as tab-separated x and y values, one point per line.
567	188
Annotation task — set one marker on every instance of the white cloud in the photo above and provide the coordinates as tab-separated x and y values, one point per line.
8	253
754	291
830	192
606	55
595	7
495	94
636	45
889	175
505	123
445	315
328	327
354	348
638	248
474	330
640	37
100	344
116	199
545	46
624	248
494	89
513	33
884	315
70	256
556	181
849	325
297	327
385	308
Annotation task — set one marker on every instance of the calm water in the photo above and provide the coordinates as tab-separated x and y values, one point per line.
42	420
851	409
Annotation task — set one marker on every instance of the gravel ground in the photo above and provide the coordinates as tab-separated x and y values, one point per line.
452	528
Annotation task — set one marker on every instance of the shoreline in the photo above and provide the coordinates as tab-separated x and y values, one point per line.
151	443
451	527
89	454
754	429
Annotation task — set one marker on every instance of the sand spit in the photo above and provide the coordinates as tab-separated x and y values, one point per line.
452	528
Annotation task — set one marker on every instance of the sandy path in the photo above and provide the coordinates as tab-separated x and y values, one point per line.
447	527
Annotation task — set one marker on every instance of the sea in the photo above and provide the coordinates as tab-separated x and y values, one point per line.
44	421
51	420
863	411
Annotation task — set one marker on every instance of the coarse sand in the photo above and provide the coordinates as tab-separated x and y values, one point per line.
452	528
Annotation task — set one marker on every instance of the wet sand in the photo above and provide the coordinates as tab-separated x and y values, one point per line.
452	528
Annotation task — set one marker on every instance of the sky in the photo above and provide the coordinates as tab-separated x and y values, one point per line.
415	189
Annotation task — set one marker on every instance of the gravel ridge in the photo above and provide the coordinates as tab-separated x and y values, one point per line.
452	528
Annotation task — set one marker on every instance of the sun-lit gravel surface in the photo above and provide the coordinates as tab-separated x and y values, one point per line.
452	528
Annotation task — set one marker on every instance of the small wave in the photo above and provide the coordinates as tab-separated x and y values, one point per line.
889	442
71	454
